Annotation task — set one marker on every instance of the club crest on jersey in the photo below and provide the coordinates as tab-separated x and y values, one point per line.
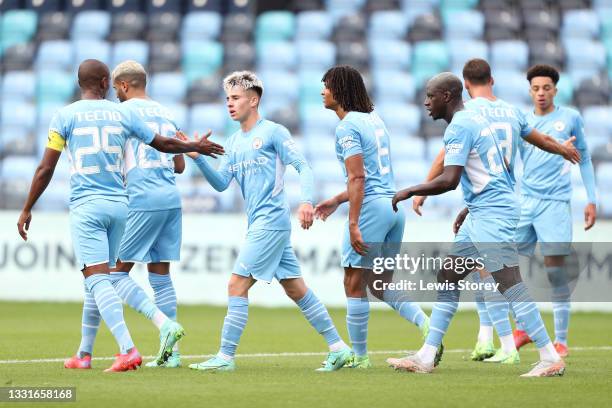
559	126
257	143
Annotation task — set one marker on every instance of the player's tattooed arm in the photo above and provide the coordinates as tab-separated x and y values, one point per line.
447	181
437	167
42	177
550	145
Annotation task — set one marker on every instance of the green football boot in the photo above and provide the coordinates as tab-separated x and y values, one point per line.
482	350
214	364
362	362
337	359
504	358
169	334
174	361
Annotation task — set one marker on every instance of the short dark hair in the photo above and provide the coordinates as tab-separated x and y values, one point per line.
477	71
348	89
543	70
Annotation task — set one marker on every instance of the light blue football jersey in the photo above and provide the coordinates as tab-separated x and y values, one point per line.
257	160
96	132
366	134
547	176
150	174
485	181
508	123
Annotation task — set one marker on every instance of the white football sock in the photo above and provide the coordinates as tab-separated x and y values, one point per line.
507	344
337	346
427	353
159	319
485	334
548	353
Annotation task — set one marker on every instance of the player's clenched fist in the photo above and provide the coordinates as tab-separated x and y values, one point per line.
306	215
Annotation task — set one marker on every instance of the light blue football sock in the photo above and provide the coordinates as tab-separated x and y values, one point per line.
165	296
233	325
90	322
357	317
318	317
443	311
497	307
527	312
483	314
561	294
132	294
111	309
401	303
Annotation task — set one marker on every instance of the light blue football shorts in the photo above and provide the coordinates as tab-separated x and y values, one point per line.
267	254
152	236
382	229
96	228
490	240
548	222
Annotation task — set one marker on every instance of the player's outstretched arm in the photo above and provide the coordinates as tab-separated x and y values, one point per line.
42	177
550	145
437	167
327	207
447	181
174	145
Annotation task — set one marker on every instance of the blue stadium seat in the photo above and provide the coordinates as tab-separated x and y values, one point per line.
310	86
179	112
327	170
56	54
393	85
313	25
201	25
130	50
584	58
45	112
390	54
315	54
18	86
167	87
340	8
511	86
85	49
414	8
388	25
565	90
76	6
281	89
18	114
597	125
18	167
434	145
276	55
316	120
467	24
10	137
463	50
91	25
201	58
16	27
275	26
429	58
320	146
603	175
207	116
450	8
401	119
512	54
580	24
407	148
44	6
54	86
409	172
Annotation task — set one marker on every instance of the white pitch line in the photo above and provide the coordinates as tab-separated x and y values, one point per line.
259	355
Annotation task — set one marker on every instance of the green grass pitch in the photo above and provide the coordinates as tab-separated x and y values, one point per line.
33	331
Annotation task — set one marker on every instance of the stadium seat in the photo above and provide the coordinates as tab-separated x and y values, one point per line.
163	26
276	55
43	6
467	24
409	172
53	26
415	8
509	55
15	139
316	54
275	26
546	52
281	88
17	27
429	58
18	167
388	25
373	6
541	25
407	148
342	8
91	25
201	58
128	26
18	86
10	5
310	86
321	146
315	120
164	56
180	114
393	85
240	6
205	5
327	170
207	116
594	90
84	49
286	115
167	87
124	6
237	27
580	24
299	6
205	90
239	56
45	112
426	27
201	25
56	54
597	122
19	57
170	6
55	86
533	6
76	6
350	28
463	50
565	90
313	25
512	86
354	54
603	175
504	25
390	54
130	50
434	145
18	114
401	119
584	53
496	5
